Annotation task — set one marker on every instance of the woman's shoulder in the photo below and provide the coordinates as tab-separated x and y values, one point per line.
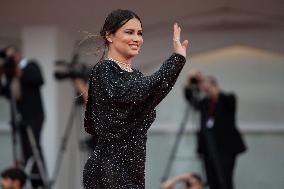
103	63
103	66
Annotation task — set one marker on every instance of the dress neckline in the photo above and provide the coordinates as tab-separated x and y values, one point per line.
120	69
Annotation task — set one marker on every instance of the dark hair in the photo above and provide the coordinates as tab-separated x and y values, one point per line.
197	177
115	20
15	174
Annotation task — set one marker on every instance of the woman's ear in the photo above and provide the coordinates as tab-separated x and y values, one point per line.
109	37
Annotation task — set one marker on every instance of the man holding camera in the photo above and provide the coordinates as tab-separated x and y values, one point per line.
219	141
21	80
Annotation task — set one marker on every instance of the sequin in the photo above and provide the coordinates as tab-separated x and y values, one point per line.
120	110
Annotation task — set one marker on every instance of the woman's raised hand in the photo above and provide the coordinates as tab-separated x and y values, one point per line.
179	48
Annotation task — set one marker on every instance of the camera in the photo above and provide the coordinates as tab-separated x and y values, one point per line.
72	70
194	81
7	65
194	85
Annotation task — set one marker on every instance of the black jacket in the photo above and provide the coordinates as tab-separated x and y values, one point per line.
30	105
224	133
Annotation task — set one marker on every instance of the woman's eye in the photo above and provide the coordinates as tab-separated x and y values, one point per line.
129	32
140	33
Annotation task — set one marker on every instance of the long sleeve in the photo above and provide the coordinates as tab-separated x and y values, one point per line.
138	90
88	112
168	81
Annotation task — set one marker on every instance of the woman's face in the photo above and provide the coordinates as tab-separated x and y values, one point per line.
128	39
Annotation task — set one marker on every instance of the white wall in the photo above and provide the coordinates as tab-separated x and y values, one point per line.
40	43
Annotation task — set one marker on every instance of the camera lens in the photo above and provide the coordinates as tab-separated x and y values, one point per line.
193	81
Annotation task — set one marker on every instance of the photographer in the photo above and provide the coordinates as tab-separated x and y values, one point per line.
191	181
219	141
21	80
13	178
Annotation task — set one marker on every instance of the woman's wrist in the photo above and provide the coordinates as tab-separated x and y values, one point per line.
180	57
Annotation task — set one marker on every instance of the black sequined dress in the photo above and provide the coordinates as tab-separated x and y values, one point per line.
120	110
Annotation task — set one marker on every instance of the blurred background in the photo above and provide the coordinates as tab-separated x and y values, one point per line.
240	42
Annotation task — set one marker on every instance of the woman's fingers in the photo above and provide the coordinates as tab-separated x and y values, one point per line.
177	30
179	47
185	44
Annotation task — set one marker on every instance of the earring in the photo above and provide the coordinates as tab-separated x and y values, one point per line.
109	40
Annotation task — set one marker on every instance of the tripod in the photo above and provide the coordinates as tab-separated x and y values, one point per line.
210	143
68	129
17	123
176	144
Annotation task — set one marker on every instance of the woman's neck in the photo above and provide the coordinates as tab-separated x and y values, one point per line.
119	57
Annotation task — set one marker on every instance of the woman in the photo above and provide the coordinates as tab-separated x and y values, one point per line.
121	102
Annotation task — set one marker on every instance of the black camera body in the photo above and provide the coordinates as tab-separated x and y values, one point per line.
72	70
194	86
194	81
